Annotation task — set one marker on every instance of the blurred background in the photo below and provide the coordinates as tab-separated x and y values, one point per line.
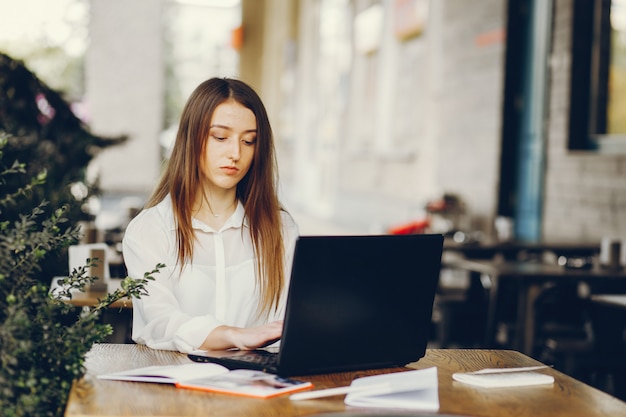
388	114
498	123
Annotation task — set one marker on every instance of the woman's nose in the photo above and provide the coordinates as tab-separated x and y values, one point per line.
235	151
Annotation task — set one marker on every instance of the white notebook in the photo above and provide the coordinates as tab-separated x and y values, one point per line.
417	390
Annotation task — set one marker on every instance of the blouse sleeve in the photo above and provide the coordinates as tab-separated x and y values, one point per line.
158	320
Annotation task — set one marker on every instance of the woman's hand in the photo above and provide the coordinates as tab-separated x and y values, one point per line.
248	338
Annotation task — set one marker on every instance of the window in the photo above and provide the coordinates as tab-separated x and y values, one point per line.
598	89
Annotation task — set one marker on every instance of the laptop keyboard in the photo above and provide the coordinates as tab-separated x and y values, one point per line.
261	358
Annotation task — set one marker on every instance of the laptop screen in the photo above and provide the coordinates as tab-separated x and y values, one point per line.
358	302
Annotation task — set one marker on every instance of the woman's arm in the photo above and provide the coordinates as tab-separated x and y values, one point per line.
226	337
159	321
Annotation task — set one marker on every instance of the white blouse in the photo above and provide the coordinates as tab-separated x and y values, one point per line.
218	286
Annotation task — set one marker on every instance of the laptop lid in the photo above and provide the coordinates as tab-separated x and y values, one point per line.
358	302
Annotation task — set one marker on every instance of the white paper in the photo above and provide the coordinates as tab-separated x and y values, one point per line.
417	390
169	374
507	378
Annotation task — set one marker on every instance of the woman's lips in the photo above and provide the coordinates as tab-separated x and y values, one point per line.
230	170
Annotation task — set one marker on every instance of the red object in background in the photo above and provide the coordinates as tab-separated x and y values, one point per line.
416	227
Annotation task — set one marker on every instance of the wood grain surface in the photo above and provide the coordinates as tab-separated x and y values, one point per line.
567	397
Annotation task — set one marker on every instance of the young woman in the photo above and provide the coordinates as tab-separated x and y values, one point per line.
216	223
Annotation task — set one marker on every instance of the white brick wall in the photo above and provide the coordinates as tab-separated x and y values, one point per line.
585	196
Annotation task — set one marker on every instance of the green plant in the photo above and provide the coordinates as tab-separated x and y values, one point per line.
42	341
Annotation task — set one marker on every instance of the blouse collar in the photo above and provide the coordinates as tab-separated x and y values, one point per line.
237	220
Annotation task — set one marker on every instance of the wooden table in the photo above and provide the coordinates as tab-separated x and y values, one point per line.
530	277
93	397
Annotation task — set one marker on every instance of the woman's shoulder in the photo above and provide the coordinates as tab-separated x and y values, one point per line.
159	216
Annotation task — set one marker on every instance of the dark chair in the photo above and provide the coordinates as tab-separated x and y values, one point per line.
598	358
459	314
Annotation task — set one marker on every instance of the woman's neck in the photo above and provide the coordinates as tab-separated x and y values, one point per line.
214	210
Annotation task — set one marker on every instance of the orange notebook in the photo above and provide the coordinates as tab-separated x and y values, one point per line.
246	382
212	377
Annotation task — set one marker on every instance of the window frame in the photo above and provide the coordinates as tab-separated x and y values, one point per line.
591	29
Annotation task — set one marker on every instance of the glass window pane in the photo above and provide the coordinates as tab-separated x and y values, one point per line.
616	112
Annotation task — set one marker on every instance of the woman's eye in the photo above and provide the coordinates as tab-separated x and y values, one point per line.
218	138
249	140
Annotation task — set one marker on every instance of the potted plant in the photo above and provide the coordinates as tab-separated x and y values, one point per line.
42	341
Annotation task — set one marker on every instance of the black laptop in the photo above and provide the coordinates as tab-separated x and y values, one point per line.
354	302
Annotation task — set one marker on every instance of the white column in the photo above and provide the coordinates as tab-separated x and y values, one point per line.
124	90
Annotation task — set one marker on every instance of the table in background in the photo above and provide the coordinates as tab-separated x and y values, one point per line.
615	302
91	298
93	397
511	250
118	315
530	277
464	298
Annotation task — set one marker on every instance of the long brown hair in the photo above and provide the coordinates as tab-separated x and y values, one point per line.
257	190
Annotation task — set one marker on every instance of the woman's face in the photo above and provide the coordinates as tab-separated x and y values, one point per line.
230	146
